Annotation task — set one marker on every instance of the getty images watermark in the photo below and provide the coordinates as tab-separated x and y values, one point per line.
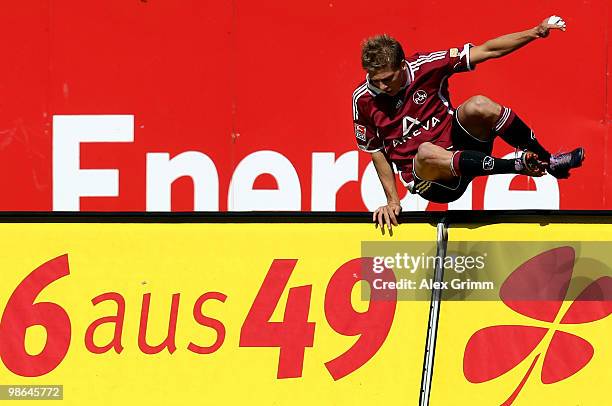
411	264
483	270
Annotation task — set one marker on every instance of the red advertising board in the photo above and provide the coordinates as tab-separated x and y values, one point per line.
158	105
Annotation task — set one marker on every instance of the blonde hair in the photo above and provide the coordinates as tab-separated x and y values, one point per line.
381	51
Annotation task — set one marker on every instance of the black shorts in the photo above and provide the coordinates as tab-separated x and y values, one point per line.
445	192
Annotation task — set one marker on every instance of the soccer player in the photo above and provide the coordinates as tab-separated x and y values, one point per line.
403	116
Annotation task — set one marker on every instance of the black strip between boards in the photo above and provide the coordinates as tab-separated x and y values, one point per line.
455	217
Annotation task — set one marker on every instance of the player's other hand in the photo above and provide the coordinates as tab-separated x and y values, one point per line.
387	216
550	23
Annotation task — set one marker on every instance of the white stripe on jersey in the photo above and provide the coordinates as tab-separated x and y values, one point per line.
431	54
446	103
356	97
357	91
429	57
417	66
360	91
466	54
410	72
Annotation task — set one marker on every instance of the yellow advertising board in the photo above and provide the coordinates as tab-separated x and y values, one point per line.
191	313
257	314
553	352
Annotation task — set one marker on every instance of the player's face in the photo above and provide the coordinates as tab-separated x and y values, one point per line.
388	80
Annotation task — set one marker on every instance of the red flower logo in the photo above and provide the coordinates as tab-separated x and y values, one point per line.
536	289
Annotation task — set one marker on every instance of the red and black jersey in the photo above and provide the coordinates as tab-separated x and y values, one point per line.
420	112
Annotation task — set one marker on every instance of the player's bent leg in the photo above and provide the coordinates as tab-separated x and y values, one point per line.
516	133
433	163
477	163
485	119
442	193
478	116
442	176
433	176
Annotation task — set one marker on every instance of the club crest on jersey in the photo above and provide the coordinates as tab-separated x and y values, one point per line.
419	96
360	132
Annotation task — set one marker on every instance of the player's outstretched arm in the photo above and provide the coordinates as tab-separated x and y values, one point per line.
505	44
386	215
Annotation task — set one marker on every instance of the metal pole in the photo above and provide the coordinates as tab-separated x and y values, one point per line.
434	316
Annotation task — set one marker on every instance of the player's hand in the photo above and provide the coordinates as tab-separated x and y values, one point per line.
387	215
551	23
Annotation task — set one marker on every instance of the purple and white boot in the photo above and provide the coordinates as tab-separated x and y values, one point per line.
560	165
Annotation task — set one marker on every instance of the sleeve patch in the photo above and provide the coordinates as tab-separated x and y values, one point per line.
360	132
454	52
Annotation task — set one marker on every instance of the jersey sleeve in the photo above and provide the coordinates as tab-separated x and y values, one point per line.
459	58
448	61
365	133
